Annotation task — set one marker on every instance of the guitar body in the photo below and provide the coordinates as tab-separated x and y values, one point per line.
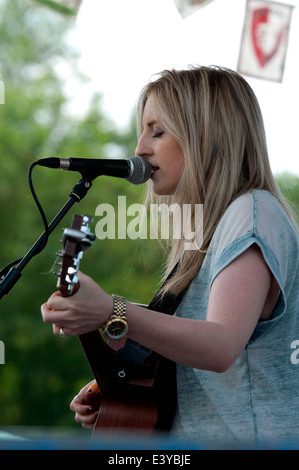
127	401
124	403
125	407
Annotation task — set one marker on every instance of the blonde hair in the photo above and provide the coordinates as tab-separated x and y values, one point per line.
214	115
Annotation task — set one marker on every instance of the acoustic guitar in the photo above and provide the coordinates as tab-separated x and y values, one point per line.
132	397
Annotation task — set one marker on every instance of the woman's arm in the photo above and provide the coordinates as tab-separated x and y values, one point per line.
237	300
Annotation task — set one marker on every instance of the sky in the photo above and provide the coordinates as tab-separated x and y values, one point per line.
123	43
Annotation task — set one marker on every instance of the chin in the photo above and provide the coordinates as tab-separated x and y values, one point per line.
163	192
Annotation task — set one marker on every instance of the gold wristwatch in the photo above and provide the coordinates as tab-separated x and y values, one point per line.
117	327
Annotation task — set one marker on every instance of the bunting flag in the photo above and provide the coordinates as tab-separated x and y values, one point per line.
265	39
66	7
187	7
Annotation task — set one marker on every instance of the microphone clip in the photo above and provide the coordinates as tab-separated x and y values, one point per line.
80	190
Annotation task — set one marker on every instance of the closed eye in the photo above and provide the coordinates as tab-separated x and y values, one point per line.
158	134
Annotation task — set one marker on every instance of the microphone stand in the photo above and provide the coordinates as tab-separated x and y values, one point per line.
78	192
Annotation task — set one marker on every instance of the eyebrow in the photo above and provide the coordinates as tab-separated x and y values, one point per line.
151	123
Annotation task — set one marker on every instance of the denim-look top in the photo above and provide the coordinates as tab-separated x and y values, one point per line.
257	399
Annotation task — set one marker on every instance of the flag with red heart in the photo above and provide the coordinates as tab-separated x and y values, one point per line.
265	39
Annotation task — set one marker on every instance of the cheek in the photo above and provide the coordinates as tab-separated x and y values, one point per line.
177	168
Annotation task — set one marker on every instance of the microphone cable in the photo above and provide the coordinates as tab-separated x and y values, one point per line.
40	209
5	270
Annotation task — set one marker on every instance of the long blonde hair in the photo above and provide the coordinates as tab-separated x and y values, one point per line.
215	116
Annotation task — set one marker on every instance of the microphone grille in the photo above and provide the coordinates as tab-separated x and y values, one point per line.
140	171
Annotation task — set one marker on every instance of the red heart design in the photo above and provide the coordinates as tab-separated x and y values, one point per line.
260	27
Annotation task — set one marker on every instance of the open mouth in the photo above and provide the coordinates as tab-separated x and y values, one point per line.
154	169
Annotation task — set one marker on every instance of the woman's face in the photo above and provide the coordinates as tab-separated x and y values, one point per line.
162	150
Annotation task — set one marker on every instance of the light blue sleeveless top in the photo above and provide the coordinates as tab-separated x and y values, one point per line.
257	399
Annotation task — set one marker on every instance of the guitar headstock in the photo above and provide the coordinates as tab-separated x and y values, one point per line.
75	241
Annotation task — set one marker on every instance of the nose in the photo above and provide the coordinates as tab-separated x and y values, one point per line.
143	148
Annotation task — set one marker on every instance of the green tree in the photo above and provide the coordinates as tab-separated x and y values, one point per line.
42	372
289	185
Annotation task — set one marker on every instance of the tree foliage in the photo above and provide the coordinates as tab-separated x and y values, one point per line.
42	372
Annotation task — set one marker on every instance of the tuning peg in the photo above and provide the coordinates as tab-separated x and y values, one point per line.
91	236
87	219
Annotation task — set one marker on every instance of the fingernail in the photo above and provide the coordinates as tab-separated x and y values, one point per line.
93	388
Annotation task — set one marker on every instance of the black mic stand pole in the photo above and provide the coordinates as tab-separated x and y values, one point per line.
14	274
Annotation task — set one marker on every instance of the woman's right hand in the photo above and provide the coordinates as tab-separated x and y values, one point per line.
86	405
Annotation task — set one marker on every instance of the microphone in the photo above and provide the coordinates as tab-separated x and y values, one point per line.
136	170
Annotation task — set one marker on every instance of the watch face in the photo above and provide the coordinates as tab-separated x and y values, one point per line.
116	328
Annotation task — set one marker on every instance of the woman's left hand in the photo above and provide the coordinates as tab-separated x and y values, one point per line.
85	311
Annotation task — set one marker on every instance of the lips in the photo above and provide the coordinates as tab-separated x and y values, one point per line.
154	168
